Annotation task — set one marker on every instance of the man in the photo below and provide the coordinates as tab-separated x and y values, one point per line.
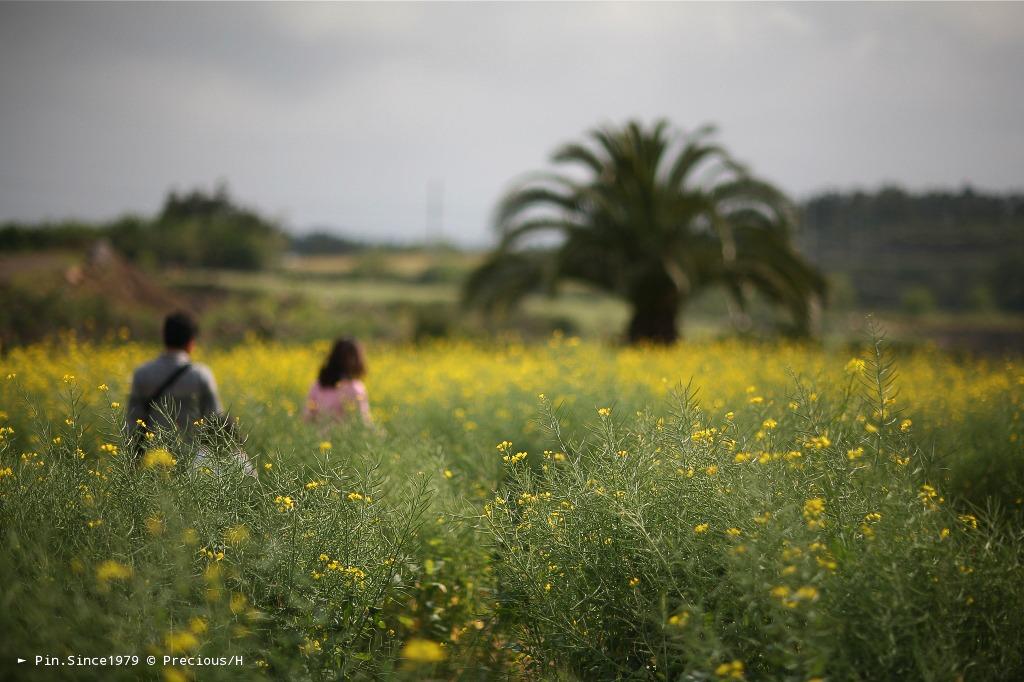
187	391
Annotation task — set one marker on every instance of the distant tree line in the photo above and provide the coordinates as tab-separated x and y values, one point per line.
323	242
952	250
195	229
956	250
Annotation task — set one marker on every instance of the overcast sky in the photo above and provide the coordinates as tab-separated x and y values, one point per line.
343	115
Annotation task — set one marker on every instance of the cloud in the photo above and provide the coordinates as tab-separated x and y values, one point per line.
343	113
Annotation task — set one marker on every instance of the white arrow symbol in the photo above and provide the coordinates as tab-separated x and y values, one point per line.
21	660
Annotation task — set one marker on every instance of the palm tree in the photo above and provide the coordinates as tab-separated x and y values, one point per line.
659	217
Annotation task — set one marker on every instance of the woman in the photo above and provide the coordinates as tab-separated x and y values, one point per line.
338	392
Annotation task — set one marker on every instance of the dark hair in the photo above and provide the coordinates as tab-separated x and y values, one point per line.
179	329
345	362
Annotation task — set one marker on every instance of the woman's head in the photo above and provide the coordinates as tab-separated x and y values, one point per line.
344	362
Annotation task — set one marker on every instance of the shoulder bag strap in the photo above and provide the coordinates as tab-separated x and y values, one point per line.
167	384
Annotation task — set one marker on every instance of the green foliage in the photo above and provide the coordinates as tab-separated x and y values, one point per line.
782	532
700	547
917	300
296	571
890	239
196	229
63	235
1007	281
660	218
320	243
29	314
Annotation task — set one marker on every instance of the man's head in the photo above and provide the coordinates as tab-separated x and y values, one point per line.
180	330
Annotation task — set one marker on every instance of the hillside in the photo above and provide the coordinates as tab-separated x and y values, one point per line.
889	249
96	292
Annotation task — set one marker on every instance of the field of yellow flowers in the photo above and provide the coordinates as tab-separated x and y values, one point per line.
569	510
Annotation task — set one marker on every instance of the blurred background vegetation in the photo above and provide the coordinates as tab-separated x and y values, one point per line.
941	267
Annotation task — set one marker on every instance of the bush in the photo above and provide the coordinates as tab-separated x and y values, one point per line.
918	300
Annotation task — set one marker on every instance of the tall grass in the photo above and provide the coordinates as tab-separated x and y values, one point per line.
789	514
704	545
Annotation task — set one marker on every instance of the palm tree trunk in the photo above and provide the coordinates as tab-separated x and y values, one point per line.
655	319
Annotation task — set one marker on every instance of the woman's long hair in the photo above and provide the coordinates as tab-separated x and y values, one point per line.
345	362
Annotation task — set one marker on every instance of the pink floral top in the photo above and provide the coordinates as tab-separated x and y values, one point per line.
341	402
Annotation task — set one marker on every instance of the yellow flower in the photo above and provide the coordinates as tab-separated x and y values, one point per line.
680	619
325	446
930	497
284	503
158	458
819	442
236	535
700	528
732	670
769	424
154	525
806	593
905	425
711	470
604	411
512	459
112	570
310	646
633	582
237	603
813	510
855	366
969	520
733	532
855	453
423	651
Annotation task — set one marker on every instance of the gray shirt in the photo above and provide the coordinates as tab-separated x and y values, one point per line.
191	397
